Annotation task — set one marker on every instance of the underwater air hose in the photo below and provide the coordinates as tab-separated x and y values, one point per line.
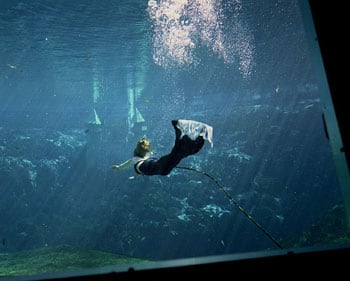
235	203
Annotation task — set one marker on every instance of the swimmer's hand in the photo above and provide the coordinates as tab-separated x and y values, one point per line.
122	166
115	167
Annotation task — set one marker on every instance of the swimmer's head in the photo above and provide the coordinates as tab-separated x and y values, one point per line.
143	148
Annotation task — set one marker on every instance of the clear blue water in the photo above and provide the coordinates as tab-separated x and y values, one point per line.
244	68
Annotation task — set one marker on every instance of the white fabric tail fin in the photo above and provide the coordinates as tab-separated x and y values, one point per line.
194	129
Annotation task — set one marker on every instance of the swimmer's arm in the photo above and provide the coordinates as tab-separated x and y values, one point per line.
122	166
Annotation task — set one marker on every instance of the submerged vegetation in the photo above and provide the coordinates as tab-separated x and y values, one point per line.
330	228
56	259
